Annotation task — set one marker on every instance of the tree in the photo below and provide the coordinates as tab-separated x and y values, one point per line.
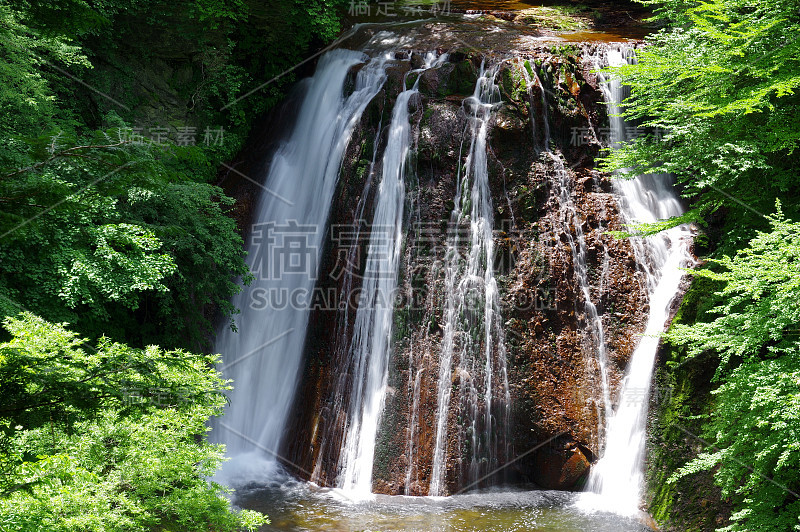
110	438
754	427
718	90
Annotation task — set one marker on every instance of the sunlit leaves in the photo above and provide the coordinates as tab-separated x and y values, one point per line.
721	84
107	438
759	307
124	259
754	427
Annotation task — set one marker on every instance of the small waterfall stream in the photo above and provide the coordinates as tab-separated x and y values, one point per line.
371	345
568	220
568	223
473	326
615	481
329	446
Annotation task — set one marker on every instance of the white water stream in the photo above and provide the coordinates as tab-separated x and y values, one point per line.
615	482
473	325
567	222
372	339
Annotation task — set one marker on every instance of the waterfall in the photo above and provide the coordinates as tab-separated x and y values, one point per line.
566	218
473	325
263	356
329	444
371	345
414	389
615	480
568	223
470	432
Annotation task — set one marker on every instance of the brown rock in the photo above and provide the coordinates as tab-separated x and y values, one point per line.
560	469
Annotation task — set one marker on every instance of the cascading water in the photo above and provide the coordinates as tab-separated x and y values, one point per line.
415	381
349	425
615	481
371	345
473	326
263	358
330	446
567	222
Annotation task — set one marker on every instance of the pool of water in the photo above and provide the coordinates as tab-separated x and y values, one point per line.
624	34
498	5
297	506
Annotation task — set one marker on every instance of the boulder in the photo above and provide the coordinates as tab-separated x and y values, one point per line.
561	469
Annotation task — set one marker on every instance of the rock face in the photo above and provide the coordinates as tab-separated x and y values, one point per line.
554	378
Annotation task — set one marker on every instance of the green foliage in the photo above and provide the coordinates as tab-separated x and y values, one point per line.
26	100
102	230
721	84
648	229
116	236
49	374
758	306
754	427
108	438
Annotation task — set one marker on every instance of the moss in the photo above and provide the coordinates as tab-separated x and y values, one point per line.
389	447
361	170
400	328
411	79
426	115
528	68
567	51
367	146
461	81
512	84
560	18
681	401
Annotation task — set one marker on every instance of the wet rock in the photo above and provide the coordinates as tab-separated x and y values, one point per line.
510	122
395	77
431	80
512	84
462	80
504	15
417	61
561	469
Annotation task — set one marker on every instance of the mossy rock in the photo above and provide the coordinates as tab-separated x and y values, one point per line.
559	18
512	84
682	397
462	79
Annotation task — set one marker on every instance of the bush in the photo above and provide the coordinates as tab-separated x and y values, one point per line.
108	439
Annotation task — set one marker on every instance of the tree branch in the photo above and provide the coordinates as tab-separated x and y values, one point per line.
69	152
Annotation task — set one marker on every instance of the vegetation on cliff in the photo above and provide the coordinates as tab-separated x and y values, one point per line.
751	432
107	437
115	119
